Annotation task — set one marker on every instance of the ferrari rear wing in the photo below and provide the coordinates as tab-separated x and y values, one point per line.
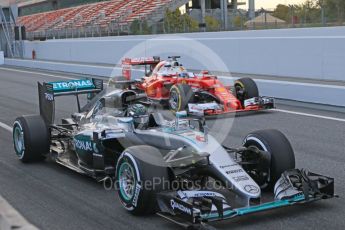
142	61
127	64
48	91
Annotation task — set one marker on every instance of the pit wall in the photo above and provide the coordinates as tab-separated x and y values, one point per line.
317	53
311	58
323	93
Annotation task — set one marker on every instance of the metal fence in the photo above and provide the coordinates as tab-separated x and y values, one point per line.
266	19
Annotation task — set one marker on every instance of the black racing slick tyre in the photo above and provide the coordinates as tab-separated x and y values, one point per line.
141	173
31	138
280	151
180	96
246	88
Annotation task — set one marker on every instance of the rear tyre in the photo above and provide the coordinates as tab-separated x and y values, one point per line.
31	138
180	96
141	173
246	88
282	156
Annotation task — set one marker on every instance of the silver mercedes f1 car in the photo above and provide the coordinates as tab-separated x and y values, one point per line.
174	168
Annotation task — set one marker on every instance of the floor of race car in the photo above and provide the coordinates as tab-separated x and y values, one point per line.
52	197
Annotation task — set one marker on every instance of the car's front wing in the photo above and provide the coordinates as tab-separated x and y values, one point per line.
213	108
192	209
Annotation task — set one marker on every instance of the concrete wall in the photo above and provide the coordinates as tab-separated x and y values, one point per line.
309	53
299	91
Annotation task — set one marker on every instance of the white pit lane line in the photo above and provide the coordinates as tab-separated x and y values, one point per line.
36	73
288	82
42	74
310	115
6	127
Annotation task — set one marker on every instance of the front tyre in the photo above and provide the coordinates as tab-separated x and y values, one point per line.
246	88
180	96
141	173
31	138
280	152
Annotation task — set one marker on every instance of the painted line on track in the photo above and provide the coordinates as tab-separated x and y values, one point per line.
37	73
289	83
6	127
221	77
310	115
70	64
43	74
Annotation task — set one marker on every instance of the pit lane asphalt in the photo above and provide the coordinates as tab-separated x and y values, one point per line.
53	197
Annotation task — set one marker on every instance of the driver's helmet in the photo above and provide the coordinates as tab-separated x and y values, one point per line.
139	114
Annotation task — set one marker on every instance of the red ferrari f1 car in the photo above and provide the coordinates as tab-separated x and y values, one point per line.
169	83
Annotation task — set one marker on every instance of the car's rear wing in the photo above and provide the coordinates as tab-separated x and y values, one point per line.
127	64
48	91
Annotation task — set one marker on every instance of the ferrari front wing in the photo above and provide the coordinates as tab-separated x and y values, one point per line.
213	108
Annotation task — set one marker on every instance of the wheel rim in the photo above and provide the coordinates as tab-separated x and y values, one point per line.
18	137
174	100
126	181
260	179
240	91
